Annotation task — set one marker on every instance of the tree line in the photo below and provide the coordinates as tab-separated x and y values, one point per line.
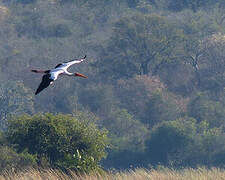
156	83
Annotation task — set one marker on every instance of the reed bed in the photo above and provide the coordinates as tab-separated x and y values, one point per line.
138	174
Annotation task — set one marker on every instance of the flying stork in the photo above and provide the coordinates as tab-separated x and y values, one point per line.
61	69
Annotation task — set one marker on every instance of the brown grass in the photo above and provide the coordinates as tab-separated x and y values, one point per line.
138	174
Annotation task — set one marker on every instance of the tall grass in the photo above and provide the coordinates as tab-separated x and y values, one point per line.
138	174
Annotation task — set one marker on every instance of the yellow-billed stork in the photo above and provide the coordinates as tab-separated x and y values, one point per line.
61	69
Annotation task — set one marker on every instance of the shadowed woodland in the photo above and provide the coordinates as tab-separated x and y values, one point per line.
155	93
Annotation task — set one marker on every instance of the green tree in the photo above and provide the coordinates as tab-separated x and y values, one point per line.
184	142
167	139
15	99
139	45
99	98
22	1
126	132
206	147
128	136
147	98
61	140
192	50
212	74
179	5
203	109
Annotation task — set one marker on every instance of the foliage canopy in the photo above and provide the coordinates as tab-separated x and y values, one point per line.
61	140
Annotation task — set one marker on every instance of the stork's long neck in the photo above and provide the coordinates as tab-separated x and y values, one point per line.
69	74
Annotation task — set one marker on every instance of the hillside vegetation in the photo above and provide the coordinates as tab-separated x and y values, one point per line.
155	93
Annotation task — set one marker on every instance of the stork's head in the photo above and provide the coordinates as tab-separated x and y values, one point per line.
80	75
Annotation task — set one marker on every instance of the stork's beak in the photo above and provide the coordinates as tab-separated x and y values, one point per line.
80	75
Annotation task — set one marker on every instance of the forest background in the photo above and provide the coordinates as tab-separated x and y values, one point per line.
156	82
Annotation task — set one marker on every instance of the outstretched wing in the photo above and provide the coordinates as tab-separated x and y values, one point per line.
69	63
77	60
46	80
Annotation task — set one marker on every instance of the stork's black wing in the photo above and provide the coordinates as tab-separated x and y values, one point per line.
44	83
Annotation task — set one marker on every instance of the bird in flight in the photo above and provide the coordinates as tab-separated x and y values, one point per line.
61	69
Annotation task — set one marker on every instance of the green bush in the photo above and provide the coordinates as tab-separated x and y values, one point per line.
203	109
10	160
185	143
167	139
60	140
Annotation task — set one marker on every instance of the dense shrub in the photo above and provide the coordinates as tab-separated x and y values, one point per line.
166	140
10	160
61	140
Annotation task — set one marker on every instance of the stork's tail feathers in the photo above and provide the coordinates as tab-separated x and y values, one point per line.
39	71
33	70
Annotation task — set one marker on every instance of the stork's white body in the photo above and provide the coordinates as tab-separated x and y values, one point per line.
55	73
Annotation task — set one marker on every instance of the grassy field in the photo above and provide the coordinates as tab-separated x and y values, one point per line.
138	174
